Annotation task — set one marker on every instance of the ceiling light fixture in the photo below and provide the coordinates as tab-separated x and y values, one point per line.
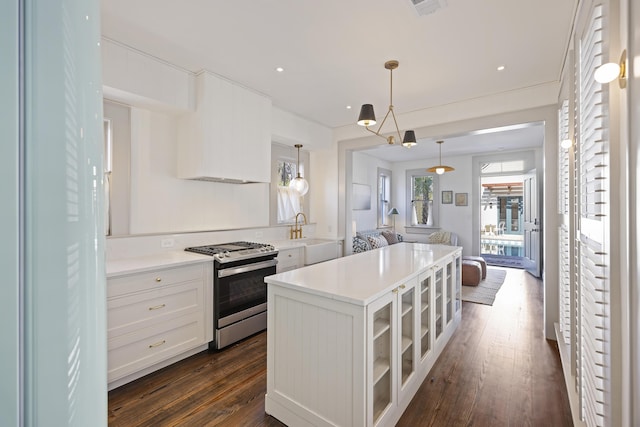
299	183
566	143
279	69
368	118
606	73
501	68
440	169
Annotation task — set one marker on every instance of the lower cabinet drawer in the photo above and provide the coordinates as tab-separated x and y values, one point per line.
124	285
127	313
142	348
289	259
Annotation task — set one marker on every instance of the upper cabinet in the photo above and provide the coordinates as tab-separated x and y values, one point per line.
228	138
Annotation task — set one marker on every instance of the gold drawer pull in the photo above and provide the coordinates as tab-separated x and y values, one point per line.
158	344
157	307
395	291
158	279
402	286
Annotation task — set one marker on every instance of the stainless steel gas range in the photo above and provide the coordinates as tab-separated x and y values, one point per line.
239	291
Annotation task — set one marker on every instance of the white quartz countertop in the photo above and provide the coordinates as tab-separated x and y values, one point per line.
363	277
299	243
120	267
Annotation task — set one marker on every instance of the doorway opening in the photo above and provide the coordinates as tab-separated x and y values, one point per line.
501	220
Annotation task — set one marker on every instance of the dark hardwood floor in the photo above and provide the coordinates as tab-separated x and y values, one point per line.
497	370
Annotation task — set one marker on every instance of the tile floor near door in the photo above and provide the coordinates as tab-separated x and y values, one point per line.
497	370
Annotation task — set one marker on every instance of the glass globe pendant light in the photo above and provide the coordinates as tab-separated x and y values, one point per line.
299	183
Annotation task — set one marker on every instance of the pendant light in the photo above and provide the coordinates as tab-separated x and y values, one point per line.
368	118
440	169
299	183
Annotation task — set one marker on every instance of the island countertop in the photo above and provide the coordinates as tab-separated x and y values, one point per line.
363	277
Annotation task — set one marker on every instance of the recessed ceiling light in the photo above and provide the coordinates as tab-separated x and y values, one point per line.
348	107
501	68
279	69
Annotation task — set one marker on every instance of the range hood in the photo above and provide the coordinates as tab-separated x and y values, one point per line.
228	138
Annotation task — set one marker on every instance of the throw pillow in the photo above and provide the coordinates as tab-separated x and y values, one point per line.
391	237
360	245
378	241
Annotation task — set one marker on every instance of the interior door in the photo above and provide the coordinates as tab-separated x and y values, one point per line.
532	226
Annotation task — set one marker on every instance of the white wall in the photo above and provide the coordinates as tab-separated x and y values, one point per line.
365	171
161	203
159	93
452	218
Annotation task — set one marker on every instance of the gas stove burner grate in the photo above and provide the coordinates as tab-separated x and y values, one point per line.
226	247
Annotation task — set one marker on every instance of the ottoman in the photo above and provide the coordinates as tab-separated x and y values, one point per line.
480	260
471	273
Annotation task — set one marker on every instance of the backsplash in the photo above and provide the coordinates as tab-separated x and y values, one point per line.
142	245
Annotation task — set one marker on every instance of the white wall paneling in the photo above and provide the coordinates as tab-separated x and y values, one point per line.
229	135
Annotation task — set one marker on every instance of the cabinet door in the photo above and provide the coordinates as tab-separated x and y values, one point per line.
438	299
407	335
449	290
289	259
458	281
381	359
425	288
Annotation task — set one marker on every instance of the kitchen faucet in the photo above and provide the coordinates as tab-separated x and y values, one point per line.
296	232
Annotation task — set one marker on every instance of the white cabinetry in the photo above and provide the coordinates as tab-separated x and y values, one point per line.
228	138
289	259
155	316
392	364
340	356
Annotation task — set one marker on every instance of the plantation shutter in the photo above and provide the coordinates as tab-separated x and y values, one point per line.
564	243
565	284
593	174
563	159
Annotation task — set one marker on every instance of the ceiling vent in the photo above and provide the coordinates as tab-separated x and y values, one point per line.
427	7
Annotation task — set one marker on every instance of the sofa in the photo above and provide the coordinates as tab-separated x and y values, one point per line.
371	239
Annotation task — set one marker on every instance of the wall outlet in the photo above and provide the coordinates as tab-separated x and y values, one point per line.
258	234
329	229
167	243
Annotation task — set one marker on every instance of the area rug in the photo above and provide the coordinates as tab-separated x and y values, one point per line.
485	292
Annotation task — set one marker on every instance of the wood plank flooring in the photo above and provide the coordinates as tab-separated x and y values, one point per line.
498	370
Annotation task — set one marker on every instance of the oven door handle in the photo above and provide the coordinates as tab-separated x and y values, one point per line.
226	272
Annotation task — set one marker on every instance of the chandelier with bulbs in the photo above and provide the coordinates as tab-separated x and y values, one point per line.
368	118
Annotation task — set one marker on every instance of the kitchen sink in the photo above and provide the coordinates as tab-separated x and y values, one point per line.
318	250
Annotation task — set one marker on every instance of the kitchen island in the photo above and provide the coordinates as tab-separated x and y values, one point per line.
350	340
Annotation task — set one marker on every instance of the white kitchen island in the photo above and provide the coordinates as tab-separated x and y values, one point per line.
350	340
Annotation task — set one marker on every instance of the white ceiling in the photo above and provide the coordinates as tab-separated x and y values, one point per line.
333	51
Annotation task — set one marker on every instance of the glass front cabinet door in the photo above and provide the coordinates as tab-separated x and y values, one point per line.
425	288
381	389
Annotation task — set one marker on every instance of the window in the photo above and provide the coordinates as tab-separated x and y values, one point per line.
286	203
384	197
288	198
422	203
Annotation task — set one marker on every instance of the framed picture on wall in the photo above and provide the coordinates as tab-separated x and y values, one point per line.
361	197
447	197
462	199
